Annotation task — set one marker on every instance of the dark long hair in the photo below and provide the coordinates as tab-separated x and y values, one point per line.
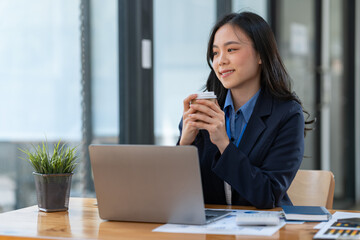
274	78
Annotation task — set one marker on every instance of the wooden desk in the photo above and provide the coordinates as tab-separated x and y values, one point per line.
82	222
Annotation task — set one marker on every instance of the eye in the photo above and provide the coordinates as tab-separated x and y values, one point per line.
214	53
231	49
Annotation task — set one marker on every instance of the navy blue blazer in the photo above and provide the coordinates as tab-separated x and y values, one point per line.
262	168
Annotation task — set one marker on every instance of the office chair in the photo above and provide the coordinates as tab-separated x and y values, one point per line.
312	188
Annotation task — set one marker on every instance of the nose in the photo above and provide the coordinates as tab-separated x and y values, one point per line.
223	59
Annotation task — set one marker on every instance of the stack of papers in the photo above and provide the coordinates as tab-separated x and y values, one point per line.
225	225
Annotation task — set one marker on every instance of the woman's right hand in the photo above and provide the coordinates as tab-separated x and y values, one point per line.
189	132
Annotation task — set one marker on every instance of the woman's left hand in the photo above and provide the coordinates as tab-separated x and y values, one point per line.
209	116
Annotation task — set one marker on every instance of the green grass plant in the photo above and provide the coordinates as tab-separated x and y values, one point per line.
63	159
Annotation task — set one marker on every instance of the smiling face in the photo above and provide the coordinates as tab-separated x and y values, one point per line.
235	61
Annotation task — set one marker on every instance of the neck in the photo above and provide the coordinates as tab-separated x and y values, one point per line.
242	95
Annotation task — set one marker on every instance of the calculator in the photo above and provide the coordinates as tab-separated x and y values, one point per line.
257	219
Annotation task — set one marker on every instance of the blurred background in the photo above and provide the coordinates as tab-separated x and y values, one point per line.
116	71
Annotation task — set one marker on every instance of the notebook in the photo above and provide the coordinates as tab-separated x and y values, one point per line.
306	213
147	183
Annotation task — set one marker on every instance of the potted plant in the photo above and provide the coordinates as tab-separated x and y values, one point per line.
52	175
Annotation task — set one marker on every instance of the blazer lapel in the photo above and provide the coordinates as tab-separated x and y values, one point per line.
256	124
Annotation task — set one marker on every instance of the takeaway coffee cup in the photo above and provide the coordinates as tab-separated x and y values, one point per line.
205	96
210	96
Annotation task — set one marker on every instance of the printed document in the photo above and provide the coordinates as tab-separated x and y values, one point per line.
226	225
336	230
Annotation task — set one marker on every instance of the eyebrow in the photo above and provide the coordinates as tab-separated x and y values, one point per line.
226	44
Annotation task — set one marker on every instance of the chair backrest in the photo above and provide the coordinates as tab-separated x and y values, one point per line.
312	188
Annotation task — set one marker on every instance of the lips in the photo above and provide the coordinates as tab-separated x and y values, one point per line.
226	72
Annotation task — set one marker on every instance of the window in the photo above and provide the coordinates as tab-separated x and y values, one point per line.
104	75
259	7
40	90
181	31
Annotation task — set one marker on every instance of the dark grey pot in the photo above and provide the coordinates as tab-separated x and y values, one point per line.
53	191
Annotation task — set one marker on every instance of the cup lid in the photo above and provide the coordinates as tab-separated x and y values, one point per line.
206	95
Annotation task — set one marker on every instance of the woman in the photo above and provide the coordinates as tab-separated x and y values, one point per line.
251	141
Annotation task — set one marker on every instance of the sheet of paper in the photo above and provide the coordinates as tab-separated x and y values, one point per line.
336	216
225	225
328	231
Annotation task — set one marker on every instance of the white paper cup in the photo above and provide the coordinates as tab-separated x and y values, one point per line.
205	96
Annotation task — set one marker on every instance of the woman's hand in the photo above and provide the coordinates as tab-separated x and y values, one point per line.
208	115
189	131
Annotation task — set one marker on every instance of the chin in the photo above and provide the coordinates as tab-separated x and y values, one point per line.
227	85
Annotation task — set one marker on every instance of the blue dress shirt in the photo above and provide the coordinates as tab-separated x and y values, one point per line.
238	119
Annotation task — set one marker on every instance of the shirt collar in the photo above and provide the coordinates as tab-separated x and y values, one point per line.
228	102
246	109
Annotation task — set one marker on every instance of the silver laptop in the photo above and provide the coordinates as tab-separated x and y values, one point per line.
147	183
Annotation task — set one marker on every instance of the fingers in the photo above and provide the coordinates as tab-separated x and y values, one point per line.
203	114
207	108
186	115
189	131
203	109
213	127
205	104
207	112
198	116
187	101
207	115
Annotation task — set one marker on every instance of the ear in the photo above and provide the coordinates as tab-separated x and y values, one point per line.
259	59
